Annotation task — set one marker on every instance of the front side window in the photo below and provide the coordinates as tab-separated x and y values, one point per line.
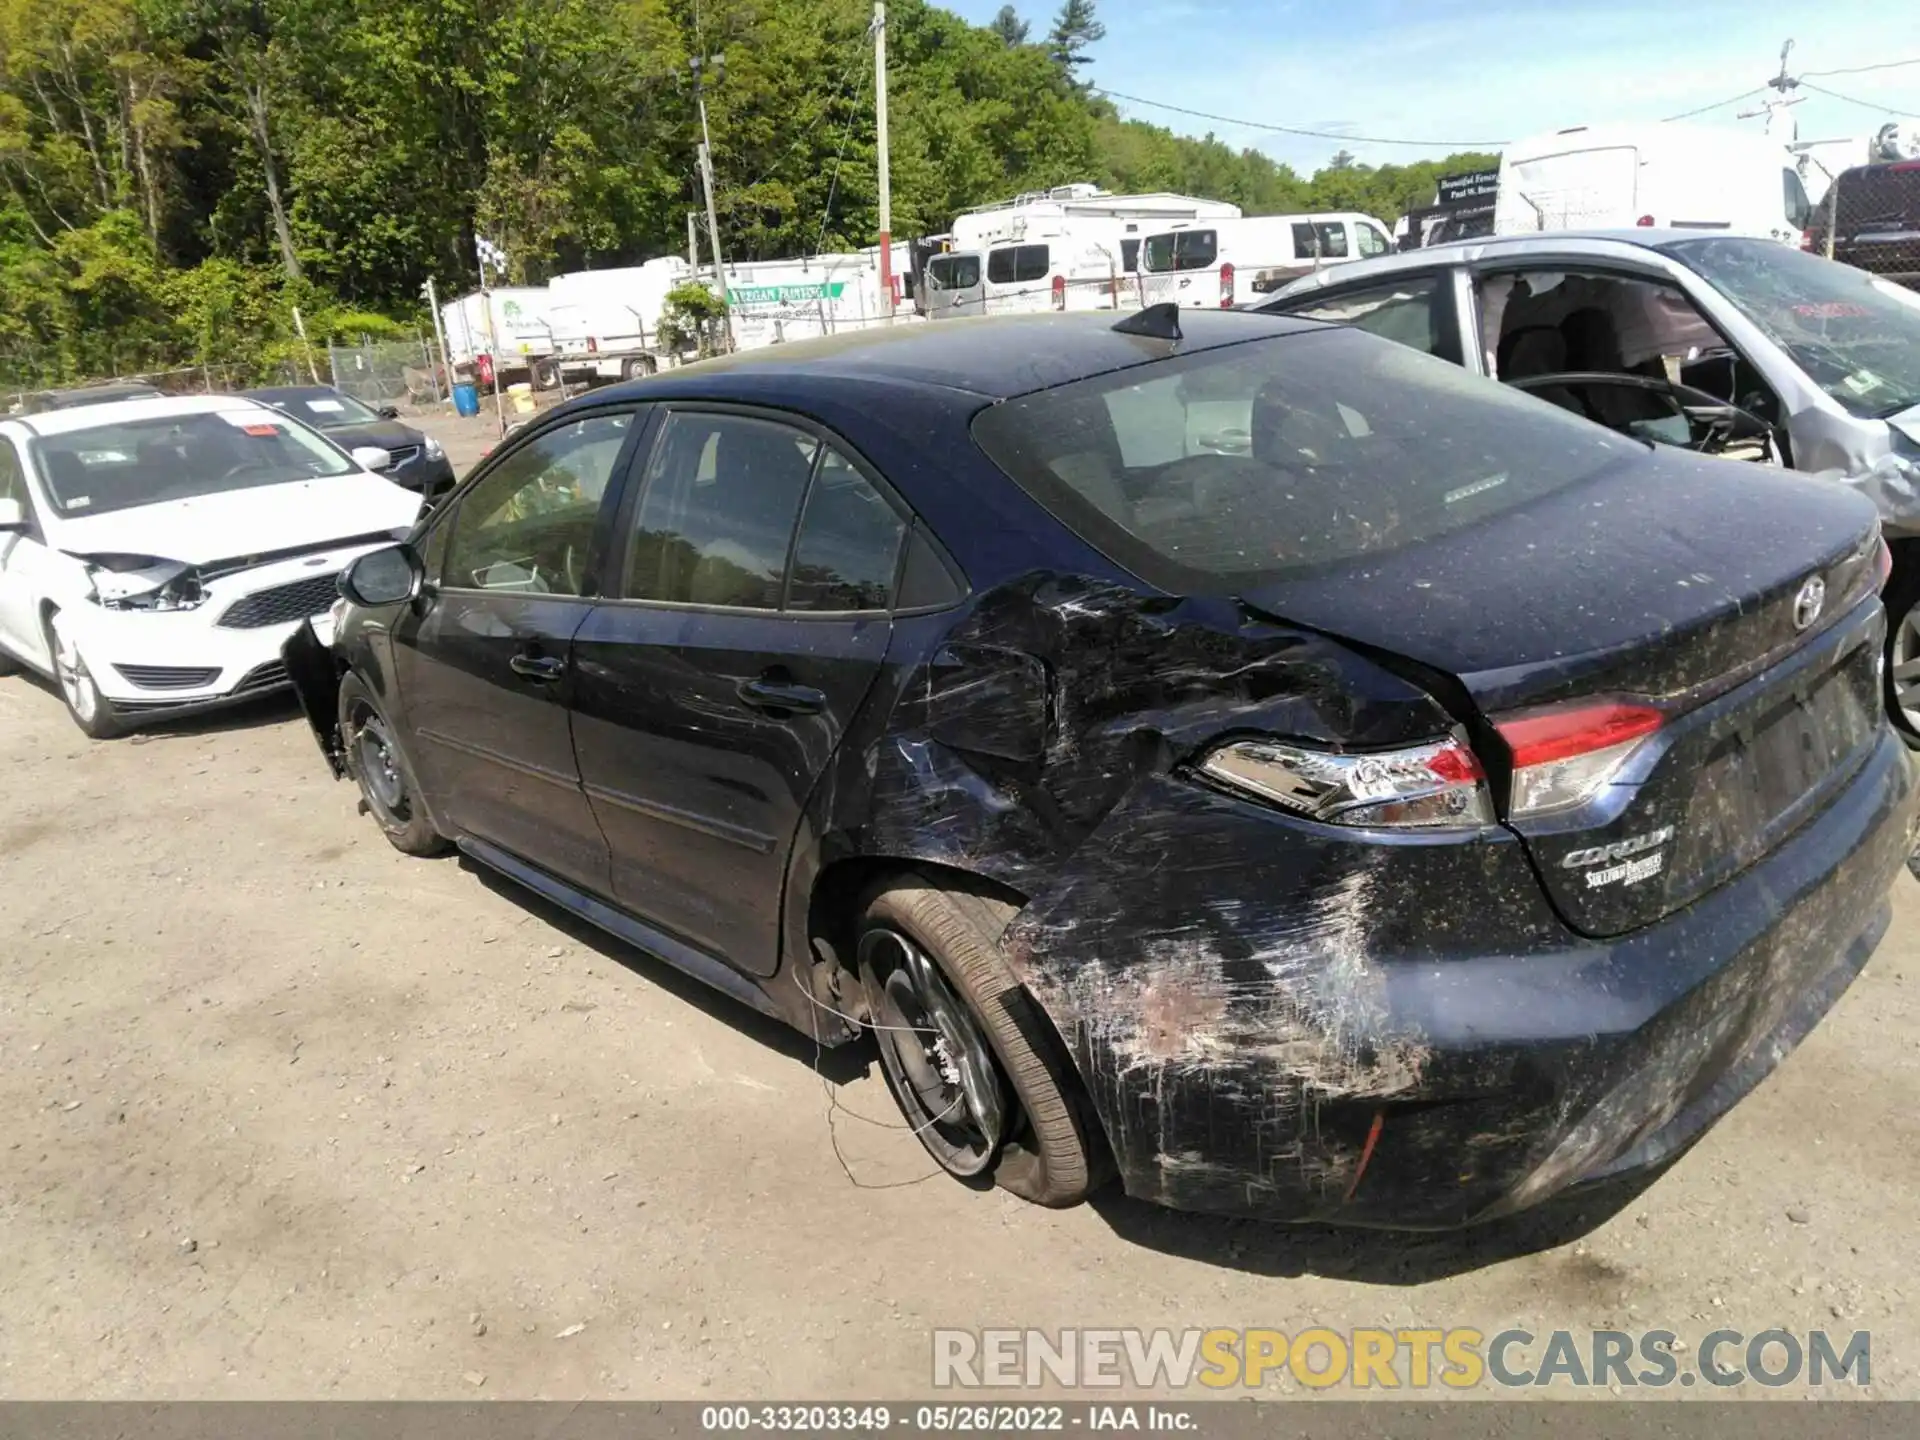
1182	250
528	526
1372	242
179	457
1217	471
1799	208
717	513
953	272
1406	311
1855	335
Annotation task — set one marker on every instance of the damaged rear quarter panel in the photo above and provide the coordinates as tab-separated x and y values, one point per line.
1212	967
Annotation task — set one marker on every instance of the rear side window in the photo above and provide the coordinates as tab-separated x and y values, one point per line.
1183	250
722	493
849	545
1219	470
1013	264
1407	311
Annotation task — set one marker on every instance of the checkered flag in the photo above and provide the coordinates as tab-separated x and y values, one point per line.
490	254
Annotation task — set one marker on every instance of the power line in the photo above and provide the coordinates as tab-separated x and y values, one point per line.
1863	104
1717	105
859	55
826	218
1860	69
1299	130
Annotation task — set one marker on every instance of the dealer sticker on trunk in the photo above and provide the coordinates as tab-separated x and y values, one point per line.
1626	873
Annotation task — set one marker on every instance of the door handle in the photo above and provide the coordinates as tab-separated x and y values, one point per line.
538	667
776	695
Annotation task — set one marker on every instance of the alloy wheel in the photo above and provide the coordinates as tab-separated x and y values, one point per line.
1906	668
936	1059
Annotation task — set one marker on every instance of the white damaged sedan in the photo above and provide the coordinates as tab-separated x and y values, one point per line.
155	554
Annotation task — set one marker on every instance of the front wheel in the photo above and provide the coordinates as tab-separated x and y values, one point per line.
380	767
969	1058
1902	600
85	703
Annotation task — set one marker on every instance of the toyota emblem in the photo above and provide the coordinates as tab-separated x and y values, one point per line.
1806	605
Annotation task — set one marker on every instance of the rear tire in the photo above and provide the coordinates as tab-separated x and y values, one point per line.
385	776
546	375
1045	1148
1902	599
8	665
636	368
88	707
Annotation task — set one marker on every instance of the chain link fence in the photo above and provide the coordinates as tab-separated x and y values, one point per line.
1870	218
388	372
19	386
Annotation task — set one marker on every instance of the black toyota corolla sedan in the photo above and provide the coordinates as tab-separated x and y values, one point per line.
1236	753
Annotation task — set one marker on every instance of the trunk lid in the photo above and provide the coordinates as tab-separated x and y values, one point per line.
1727	597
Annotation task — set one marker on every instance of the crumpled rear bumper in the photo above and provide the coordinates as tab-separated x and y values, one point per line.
1278	1022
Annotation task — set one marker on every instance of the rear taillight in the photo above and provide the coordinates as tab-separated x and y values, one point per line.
1426	787
1565	755
1059	292
1644	222
1226	287
593	346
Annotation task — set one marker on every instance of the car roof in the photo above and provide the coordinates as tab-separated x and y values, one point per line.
994	357
288	392
1493	247
121	412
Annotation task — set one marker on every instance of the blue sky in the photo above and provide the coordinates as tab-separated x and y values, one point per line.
1488	71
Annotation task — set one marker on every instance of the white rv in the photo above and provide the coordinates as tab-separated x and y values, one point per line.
1071	248
1220	263
770	302
606	323
1680	177
516	334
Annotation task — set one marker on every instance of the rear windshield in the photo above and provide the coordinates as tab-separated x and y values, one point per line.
176	457
1245	463
1855	335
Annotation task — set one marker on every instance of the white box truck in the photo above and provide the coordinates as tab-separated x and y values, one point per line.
606	323
520	339
1683	177
770	302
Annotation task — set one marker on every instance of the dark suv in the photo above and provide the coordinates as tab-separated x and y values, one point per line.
1263	761
1873	215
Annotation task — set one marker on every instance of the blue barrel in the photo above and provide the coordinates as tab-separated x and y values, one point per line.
466	399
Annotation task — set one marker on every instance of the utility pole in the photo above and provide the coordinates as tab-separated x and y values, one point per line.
699	67
880	135
693	239
1782	85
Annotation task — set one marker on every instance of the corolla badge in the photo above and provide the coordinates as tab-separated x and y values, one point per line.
1807	604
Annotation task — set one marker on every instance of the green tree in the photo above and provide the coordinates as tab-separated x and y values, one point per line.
1008	25
1074	30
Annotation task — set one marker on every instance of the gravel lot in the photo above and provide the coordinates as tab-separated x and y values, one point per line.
289	1115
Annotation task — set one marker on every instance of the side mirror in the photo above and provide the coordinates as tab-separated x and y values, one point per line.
13	517
388	412
383	577
372	457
